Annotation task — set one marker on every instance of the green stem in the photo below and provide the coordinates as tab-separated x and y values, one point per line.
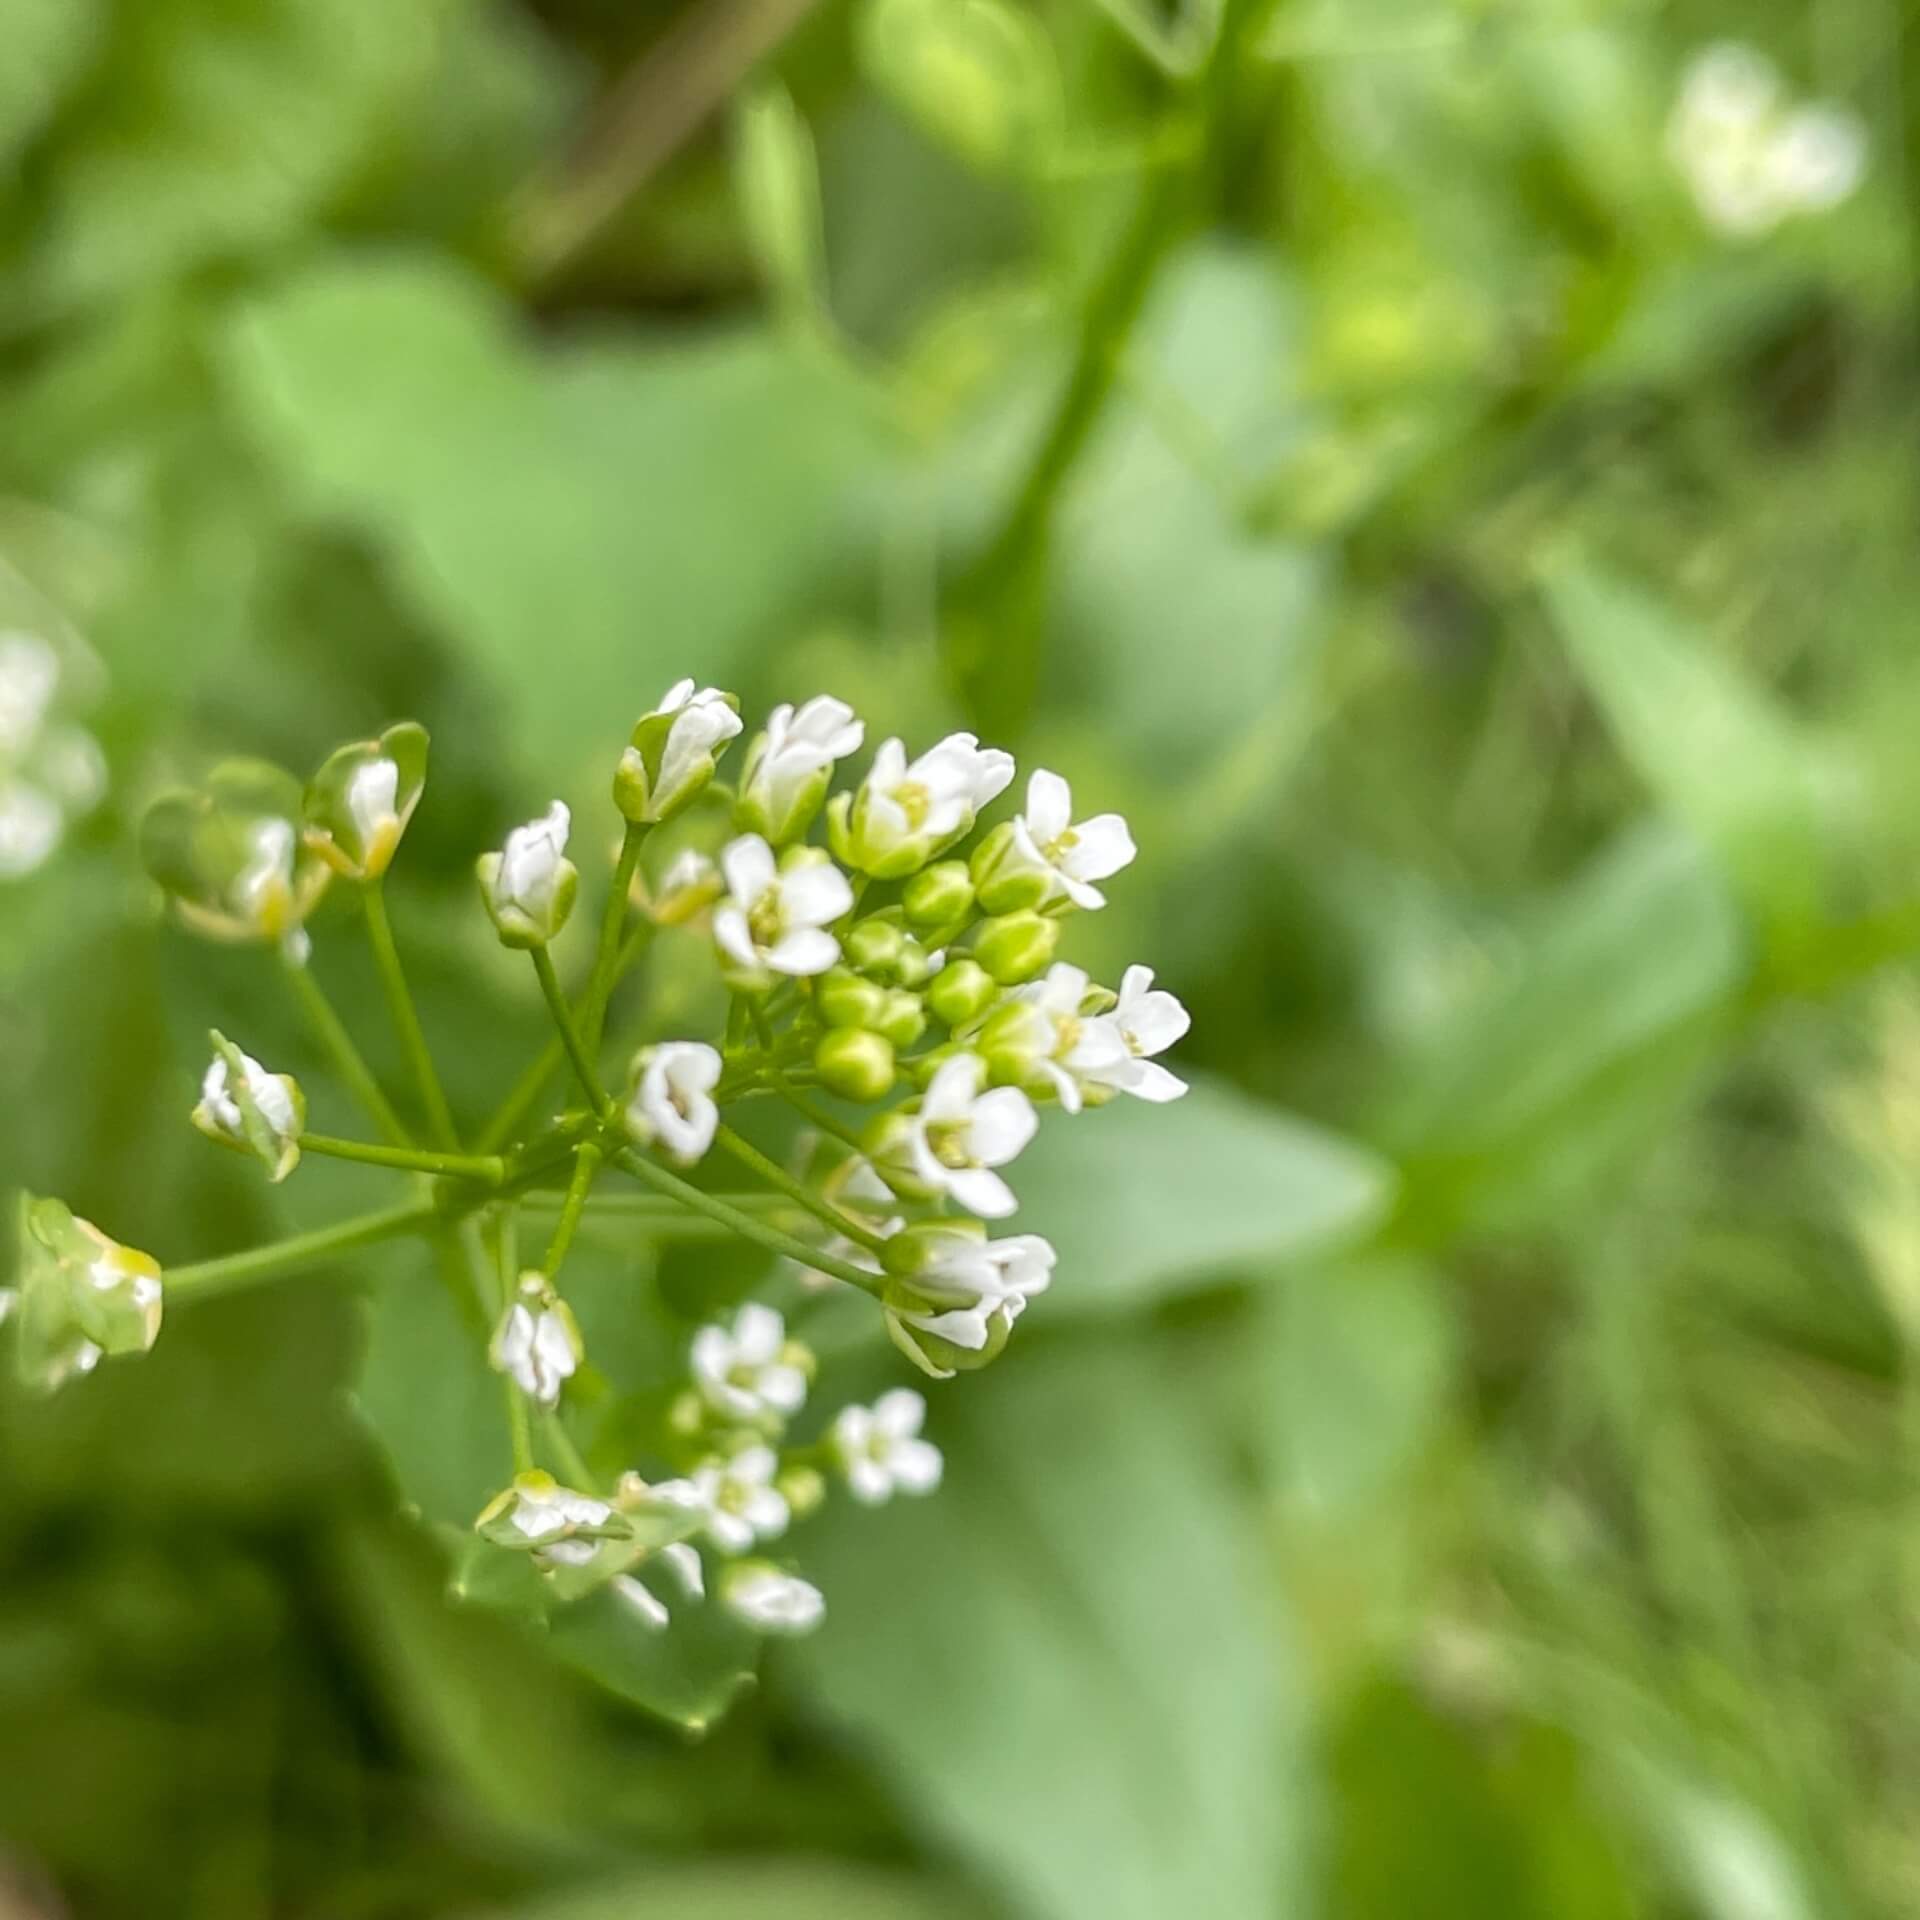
816	1117
593	1008
586	1166
645	1206
748	1228
797	1191
303	1250
490	1169
569	1034
573	1465
1000	594
330	1030
519	1425
406	1017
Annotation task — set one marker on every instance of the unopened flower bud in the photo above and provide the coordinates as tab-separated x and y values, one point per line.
358	805
914	966
690	885
529	885
873	945
1006	879
939	895
803	1489
962	991
1017	946
537	1344
244	1106
903	1019
855	1064
229	854
673	751
843	999
790	766
82	1296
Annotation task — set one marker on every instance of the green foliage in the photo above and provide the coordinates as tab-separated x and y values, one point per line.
1464	1461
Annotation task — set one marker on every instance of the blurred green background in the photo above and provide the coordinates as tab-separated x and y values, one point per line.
1469	1461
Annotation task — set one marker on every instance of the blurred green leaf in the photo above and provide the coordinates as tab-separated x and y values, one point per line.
1143	1202
621	516
689	1673
1711	745
1606	1011
47	42
1065	1669
761	1890
217	126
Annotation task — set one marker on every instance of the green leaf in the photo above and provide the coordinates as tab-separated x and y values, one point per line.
1145	1202
47	42
620	515
219	125
1617	994
689	1672
430	1398
1059	1661
761	1890
779	187
1713	747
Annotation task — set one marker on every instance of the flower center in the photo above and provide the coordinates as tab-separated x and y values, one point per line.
949	1143
913	799
764	919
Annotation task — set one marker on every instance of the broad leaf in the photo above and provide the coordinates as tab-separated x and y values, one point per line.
1144	1202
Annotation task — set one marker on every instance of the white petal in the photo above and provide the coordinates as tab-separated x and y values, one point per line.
915	1465
814	896
868	1481
1003	1123
992	775
765	1512
983	1192
730	1532
734	938
784	1389
1102	846
803	953
676	696
950	1093
1083	893
650	1610
1049	806
748	866
1148	1080
758	1333
685	1562
900	1412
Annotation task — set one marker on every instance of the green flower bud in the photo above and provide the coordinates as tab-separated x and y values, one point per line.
962	991
845	1000
1017	946
529	885
673	751
358	805
938	895
902	1019
229	853
247	1108
81	1295
914	966
855	1064
802	1488
873	945
943	1358
1006	879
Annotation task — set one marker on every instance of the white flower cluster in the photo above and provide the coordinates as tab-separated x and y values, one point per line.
1750	157
52	771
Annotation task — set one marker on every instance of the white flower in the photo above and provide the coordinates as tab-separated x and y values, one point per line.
791	765
1046	836
960	1134
1749	160
1148	1020
750	1371
775	922
968	1295
541	1509
537	1345
31	826
672	1102
881	1451
29	678
671	757
529	884
904	812
735	1498
274	1097
689	886
773	1601
1042	1033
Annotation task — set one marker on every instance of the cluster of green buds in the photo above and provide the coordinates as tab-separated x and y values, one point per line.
892	974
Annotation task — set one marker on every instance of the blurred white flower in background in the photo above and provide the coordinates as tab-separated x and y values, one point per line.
1750	156
52	771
